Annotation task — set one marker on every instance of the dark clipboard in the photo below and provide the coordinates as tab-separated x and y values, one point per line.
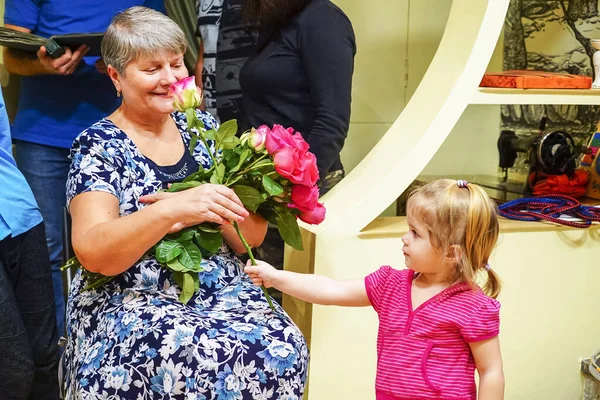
30	43
74	40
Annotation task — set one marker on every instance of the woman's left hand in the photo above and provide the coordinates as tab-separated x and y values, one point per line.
205	203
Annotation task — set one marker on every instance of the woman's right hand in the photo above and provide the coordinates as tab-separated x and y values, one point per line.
205	203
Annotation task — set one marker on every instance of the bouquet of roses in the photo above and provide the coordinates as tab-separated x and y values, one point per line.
271	171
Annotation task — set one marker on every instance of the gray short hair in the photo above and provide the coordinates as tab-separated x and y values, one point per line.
140	31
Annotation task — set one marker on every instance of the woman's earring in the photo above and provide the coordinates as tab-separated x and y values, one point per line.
118	93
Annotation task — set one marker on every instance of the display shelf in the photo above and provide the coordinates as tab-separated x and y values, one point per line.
536	96
398	226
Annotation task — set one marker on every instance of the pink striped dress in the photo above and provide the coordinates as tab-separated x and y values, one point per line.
424	353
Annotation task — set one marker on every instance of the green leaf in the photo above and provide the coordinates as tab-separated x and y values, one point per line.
187	289
196	282
167	250
230	158
191	257
193	140
243	157
220	172
175	265
183	235
288	228
272	187
179	186
210	241
249	196
225	136
230	142
228	129
269	214
178	277
200	175
207	228
209	135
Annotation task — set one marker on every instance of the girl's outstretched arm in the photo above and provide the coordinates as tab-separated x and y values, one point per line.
488	361
316	289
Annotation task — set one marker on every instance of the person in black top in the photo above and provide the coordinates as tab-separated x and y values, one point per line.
301	75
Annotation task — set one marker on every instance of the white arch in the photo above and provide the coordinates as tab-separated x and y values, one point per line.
449	85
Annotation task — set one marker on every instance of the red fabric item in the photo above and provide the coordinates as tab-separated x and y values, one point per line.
530	79
544	184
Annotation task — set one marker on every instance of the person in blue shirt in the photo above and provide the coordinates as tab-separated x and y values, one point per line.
28	335
59	98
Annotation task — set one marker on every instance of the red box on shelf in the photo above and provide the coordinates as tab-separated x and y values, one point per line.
529	79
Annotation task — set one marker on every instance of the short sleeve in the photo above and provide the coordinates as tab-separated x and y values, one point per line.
376	283
484	324
92	167
23	13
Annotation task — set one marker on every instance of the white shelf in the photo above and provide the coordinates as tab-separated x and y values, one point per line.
536	96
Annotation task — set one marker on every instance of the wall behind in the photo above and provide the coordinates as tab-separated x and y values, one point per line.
379	72
396	42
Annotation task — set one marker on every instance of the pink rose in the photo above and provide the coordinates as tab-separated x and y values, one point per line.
186	94
258	137
296	166
305	198
279	138
315	216
300	142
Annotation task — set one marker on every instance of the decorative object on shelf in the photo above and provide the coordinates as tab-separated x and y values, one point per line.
559	209
574	186
590	371
530	79
590	161
552	158
596	60
595	366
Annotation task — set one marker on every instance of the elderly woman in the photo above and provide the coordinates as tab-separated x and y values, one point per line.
132	338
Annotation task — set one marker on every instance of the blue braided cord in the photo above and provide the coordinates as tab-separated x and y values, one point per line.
565	206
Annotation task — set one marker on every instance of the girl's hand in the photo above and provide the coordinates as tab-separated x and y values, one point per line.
261	274
205	203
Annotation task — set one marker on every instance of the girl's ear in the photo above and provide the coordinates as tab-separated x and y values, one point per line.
454	253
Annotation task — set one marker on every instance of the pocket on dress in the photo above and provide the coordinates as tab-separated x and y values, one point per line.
402	366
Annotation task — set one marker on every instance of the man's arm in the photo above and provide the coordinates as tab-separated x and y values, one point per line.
19	64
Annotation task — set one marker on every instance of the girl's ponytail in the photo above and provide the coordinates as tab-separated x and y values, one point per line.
492	285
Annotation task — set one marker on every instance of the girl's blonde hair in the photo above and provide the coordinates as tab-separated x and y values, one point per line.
460	214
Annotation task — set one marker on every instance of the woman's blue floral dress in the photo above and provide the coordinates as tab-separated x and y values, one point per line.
133	339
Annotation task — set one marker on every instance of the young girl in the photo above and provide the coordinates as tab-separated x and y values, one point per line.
435	324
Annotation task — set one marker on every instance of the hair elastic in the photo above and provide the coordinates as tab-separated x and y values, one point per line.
487	267
462	183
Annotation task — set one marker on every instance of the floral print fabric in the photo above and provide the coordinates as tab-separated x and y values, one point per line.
133	339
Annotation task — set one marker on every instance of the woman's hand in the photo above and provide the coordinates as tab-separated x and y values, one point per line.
205	203
261	274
